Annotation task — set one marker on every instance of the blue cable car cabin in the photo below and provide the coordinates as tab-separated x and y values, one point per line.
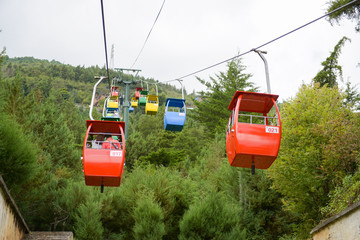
131	108
175	114
111	114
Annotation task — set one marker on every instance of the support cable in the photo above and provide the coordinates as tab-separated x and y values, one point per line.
267	43
106	57
148	34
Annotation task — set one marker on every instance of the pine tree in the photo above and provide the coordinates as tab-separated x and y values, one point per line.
88	224
149	219
331	70
17	154
214	217
212	108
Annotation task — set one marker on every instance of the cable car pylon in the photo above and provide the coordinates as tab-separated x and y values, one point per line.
127	90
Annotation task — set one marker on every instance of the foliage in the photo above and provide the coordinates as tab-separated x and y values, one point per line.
343	195
164	157
351	12
319	145
2	58
149	219
331	69
88	225
161	188
17	154
352	97
263	214
148	141
212	218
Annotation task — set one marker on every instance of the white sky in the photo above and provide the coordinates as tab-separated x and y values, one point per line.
188	36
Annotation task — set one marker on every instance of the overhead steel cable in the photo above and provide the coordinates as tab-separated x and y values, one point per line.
267	43
148	34
171	80
106	57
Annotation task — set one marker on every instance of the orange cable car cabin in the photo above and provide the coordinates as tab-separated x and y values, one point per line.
104	153
253	137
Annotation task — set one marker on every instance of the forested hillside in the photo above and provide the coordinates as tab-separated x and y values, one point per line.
176	185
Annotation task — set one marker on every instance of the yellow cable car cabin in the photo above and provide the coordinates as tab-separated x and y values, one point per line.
113	103
152	104
134	102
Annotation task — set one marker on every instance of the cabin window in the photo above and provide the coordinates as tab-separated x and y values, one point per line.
104	141
257	118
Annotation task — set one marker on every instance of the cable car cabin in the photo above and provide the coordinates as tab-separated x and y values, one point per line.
142	98
115	91
152	104
175	114
131	109
112	114
137	92
104	153
134	102
113	102
253	137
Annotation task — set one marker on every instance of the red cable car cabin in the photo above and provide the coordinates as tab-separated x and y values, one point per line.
104	153
253	138
114	91
137	92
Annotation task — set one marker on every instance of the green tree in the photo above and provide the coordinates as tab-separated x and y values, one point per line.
318	149
164	157
260	208
190	140
17	154
88	224
331	70
2	59
343	196
212	110
48	122
214	217
352	96
262	211
148	186
12	94
69	195
351	12
149	219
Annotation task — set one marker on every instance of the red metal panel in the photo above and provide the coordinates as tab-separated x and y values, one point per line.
253	143
101	168
253	102
105	126
104	166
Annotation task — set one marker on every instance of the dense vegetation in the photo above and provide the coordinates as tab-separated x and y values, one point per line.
176	185
351	12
